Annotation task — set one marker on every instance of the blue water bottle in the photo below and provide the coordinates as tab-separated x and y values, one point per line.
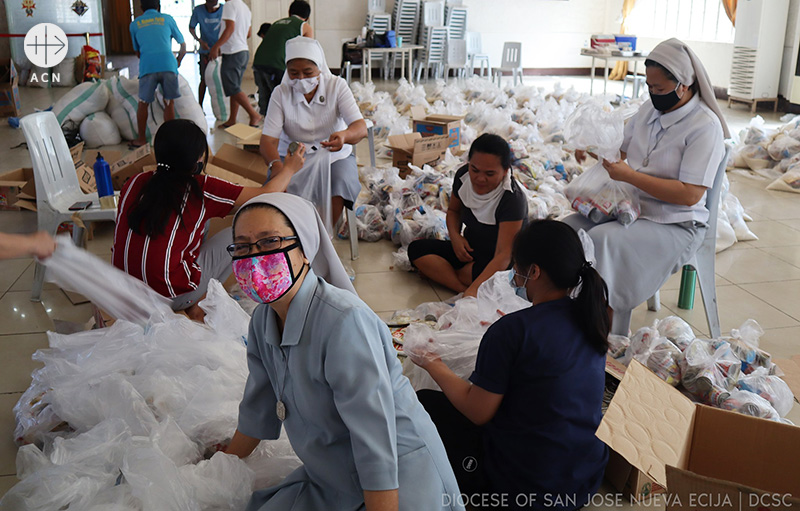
102	177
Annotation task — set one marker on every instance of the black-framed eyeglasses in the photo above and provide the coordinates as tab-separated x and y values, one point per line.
263	245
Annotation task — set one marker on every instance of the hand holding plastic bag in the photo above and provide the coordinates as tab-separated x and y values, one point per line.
599	198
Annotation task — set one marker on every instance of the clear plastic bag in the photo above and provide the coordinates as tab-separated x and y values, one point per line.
599	198
676	330
770	387
119	294
457	348
155	480
710	370
751	404
756	157
617	345
744	342
596	127
735	213
783	147
657	353
222	482
313	183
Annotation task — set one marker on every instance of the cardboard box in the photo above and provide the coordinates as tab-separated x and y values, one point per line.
791	373
76	152
130	164
241	162
18	189
432	125
415	150
84	167
9	90
248	137
227	175
652	425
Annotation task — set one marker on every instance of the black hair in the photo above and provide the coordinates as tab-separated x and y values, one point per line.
150	4
262	31
300	8
557	250
178	145
668	74
492	144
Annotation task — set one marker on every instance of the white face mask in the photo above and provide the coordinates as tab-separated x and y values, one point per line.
304	85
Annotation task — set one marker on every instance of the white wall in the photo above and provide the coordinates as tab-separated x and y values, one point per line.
790	44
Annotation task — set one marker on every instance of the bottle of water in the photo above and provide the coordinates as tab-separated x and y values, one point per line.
102	177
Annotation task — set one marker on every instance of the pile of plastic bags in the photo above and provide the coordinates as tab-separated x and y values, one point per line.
105	111
773	153
730	372
132	417
543	128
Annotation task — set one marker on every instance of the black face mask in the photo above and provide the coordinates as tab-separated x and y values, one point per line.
663	102
199	169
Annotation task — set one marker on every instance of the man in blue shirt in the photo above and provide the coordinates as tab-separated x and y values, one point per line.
208	16
152	35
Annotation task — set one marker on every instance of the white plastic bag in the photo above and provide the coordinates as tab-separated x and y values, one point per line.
789	182
86	98
676	330
751	404
657	353
710	370
98	129
726	236
222	482
735	213
156	482
187	107
119	294
213	79
123	103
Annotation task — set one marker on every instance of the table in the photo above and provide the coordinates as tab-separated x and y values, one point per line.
605	57
366	60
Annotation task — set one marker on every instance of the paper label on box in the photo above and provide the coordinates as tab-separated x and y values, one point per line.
649	423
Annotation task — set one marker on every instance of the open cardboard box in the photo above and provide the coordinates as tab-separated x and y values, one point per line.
247	137
18	189
652	425
414	149
432	125
243	163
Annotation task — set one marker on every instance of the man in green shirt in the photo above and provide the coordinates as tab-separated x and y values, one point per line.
268	63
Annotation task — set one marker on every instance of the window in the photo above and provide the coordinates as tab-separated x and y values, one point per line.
690	20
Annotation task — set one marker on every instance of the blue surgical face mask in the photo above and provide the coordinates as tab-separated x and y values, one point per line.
522	292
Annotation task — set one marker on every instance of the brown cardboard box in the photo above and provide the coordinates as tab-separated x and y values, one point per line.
130	164
18	189
653	425
415	150
76	152
791	373
241	162
248	137
227	175
9	90
432	125
84	167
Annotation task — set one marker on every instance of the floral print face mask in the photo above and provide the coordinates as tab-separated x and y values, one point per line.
265	277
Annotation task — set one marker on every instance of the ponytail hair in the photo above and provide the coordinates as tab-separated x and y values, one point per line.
557	250
178	146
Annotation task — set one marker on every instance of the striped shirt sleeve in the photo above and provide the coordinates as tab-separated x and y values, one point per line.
219	196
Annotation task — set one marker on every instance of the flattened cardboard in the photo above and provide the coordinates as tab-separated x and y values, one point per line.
433	125
239	161
791	373
692	492
649	423
413	149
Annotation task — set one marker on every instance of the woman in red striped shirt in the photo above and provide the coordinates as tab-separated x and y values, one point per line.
160	235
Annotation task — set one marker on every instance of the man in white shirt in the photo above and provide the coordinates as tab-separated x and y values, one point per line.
232	45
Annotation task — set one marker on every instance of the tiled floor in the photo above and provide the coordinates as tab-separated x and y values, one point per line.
757	279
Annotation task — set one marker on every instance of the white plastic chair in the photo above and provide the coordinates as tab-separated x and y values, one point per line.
57	186
475	54
405	20
431	14
456	57
702	261
351	214
378	6
512	61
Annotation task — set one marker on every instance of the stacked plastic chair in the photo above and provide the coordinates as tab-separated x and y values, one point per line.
434	54
431	14
405	20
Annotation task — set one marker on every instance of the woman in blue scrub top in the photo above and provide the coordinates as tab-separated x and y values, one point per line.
520	433
322	365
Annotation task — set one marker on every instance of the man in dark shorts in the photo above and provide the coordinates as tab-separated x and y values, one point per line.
209	17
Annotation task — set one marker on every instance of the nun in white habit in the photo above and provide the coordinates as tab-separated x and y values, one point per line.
322	365
671	151
314	107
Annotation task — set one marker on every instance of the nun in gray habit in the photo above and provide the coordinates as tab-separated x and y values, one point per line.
671	151
322	366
